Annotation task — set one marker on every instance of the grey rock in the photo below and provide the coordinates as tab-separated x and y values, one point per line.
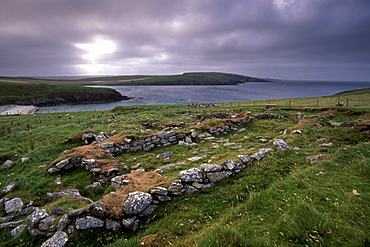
246	159
8	188
18	230
101	137
131	223
88	223
13	205
327	144
95	185
53	170
175	187
96	209
71	229
210	168
36	232
112	224
228	165
33	219
281	145
77	212
27	210
119	181
24	160
191	175
163	198
59	239
61	164
136	202
88	138
189	189
6	164
71	192
58	211
315	158
149	210
64	222
164	155
159	191
10	224
216	176
6	219
46	224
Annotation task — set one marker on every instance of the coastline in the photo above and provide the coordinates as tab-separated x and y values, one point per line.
18	109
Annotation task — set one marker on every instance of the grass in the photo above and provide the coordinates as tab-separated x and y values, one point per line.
282	200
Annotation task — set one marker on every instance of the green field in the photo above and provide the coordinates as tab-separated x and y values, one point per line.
282	200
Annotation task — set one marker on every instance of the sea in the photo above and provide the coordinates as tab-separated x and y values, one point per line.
184	94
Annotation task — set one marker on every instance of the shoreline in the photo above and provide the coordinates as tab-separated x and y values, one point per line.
18	110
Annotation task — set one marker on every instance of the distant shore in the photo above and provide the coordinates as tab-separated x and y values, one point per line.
18	109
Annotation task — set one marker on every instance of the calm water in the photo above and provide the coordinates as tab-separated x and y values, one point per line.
153	95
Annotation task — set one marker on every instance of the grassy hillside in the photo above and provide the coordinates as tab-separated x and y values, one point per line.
282	200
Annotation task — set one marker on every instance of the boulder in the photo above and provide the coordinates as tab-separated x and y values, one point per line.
136	202
13	205
228	165
59	239
210	168
216	176
96	209
33	219
61	164
246	159
63	223
281	145
112	224
88	138
88	222
46	224
77	212
6	164
159	191
191	175
131	223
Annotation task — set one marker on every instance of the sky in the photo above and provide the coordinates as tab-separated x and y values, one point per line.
282	39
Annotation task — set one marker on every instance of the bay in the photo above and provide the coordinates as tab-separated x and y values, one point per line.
184	94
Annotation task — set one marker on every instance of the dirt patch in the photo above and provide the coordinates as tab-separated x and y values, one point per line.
139	181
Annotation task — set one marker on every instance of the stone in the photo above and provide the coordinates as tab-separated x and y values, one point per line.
189	189
88	222
164	155
70	192
27	210
228	165
210	167
96	209
10	224
33	219
24	160
36	232
131	223
149	210
59	239
195	158
175	187
13	205
112	224
18	230
95	185
281	145
61	164
6	219
216	176
46	224
315	158
246	159
53	170
64	222
119	181
88	138
191	175
107	145
158	191
6	164
8	188
327	144
101	137
163	198
136	202
77	212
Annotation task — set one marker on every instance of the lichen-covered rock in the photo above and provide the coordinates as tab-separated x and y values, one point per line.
8	188
164	155
88	223
13	205
216	176
149	210
96	209
77	212
88	138
46	224
136	202
61	164
159	191
59	239
33	219
10	224
246	159
191	175
281	145
63	223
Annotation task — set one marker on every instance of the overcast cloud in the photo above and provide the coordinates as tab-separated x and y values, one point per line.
290	39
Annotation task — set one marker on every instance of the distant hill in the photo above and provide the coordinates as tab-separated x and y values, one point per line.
191	78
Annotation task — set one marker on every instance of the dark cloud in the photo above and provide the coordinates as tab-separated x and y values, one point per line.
294	39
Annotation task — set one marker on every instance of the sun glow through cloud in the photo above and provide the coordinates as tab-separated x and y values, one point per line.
95	51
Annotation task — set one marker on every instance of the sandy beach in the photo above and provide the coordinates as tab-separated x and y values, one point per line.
18	109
